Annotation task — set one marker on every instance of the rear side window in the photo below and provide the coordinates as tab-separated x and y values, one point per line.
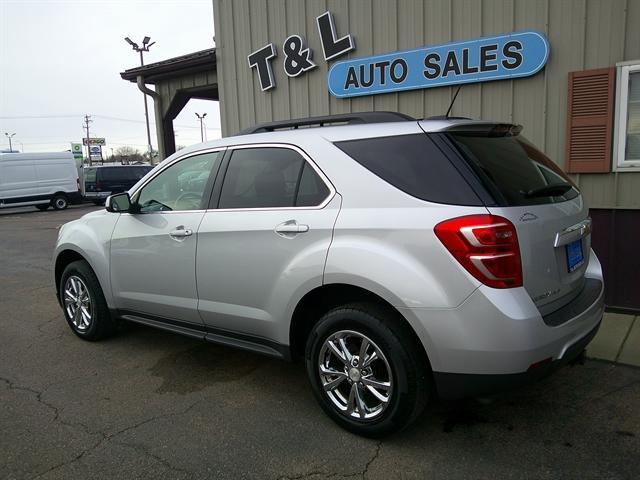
139	172
270	178
414	164
90	175
115	174
312	190
513	170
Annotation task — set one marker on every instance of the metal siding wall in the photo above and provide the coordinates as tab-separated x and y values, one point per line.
583	34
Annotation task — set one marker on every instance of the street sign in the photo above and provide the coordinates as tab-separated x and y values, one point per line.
94	141
76	150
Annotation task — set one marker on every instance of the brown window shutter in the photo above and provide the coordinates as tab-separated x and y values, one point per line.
590	120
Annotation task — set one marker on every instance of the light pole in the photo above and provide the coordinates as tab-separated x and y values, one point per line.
11	135
201	118
145	48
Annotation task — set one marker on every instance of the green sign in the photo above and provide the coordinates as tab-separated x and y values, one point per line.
76	149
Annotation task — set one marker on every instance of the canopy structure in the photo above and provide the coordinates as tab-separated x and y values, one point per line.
176	81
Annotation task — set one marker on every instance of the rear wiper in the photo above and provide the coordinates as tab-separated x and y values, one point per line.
553	190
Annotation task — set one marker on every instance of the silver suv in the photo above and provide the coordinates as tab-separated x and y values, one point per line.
400	258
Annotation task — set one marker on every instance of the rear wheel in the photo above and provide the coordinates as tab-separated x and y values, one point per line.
42	208
85	308
60	202
366	370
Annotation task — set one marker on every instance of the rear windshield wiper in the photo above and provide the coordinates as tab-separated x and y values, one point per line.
553	190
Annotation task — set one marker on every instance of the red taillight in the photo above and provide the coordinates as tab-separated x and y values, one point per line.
98	187
486	246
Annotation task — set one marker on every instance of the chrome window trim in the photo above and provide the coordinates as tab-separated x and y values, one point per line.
305	157
169	164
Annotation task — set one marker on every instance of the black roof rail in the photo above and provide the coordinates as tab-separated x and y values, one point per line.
445	117
343	118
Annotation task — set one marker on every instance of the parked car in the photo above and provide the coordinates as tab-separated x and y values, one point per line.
40	179
102	181
401	259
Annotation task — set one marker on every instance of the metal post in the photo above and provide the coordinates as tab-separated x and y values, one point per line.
201	118
146	44
9	137
146	113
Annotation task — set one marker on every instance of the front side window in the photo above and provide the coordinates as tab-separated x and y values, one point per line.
628	121
179	187
270	178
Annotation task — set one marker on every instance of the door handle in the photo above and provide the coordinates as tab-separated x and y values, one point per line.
181	232
291	228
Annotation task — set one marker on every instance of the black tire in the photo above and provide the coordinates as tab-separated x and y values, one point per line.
42	208
99	203
60	201
101	324
409	367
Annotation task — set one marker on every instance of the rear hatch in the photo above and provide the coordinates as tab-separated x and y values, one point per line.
541	201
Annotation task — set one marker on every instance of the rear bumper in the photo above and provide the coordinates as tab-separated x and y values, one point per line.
492	341
461	385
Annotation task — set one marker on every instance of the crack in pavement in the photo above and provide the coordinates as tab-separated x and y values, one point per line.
103	437
109	437
328	475
373	459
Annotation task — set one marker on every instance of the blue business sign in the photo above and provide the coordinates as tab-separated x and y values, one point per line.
511	55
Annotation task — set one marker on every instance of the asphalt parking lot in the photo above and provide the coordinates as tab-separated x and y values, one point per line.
148	404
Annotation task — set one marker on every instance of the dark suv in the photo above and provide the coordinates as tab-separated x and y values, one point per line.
102	181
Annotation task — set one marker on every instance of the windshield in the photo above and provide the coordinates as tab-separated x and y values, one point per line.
514	170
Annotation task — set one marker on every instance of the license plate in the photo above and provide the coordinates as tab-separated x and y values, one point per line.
574	255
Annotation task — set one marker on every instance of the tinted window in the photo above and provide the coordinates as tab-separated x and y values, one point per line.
312	190
179	187
114	174
139	172
261	178
90	175
512	168
415	165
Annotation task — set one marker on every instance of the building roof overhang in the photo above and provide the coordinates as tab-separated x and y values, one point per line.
204	60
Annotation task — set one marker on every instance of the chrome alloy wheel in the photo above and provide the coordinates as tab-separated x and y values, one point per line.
355	375
77	302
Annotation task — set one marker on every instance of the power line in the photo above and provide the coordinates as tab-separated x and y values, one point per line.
105	117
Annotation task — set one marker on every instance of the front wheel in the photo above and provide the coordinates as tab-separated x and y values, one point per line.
85	308
367	370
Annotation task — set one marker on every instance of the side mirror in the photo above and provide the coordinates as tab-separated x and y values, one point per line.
119	203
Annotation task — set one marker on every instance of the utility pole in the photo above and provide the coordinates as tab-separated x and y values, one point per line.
87	121
145	48
201	118
9	136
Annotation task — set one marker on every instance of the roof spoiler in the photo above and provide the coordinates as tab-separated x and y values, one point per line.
485	129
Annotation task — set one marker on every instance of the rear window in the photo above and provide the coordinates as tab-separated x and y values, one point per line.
414	164
513	170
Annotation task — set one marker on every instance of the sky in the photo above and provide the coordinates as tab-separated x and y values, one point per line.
61	59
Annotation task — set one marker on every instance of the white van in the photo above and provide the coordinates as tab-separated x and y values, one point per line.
40	179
